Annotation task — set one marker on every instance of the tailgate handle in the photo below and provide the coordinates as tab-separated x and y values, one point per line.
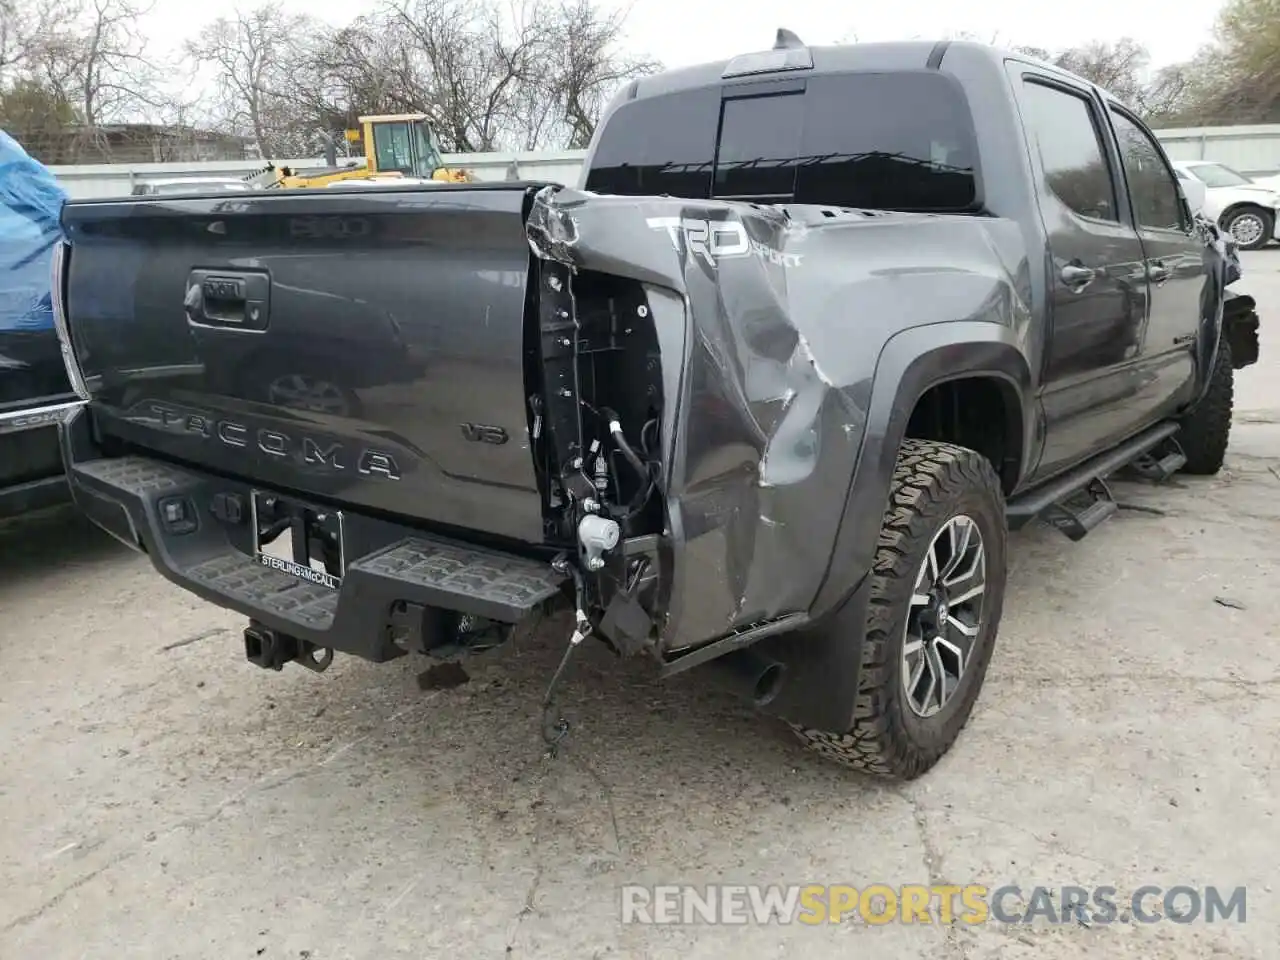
238	300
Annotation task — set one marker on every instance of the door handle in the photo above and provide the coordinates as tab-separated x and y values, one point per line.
231	299
1077	276
1157	272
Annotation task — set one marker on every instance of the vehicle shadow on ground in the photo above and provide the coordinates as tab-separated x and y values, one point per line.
634	739
33	547
627	726
630	731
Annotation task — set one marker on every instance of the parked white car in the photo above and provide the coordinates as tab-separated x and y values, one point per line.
1249	211
1271	183
177	185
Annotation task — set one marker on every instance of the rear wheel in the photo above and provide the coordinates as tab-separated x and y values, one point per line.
1207	428
1250	227
937	590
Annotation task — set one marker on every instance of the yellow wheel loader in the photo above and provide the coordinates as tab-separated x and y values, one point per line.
395	145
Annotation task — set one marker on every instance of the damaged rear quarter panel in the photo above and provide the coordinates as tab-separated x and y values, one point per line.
768	368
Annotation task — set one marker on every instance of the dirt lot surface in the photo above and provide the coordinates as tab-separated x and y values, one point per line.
160	797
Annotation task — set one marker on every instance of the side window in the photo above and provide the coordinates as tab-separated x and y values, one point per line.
1156	200
1075	166
896	141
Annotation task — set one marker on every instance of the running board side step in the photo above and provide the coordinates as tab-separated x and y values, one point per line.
1082	511
1160	462
1079	500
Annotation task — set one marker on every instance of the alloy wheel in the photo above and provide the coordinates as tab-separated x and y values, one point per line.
944	616
1246	229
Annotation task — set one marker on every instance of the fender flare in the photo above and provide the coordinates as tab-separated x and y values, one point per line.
910	363
1210	334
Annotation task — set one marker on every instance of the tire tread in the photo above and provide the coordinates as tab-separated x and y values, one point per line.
927	476
1206	430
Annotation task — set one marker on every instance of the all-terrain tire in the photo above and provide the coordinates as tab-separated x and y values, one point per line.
932	483
1207	428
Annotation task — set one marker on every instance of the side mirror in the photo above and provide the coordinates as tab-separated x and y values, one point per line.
1195	193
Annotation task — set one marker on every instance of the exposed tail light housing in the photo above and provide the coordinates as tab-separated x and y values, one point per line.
61	255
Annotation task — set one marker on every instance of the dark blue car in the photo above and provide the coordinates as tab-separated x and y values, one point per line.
34	390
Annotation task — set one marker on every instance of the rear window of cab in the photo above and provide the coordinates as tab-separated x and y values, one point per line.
893	141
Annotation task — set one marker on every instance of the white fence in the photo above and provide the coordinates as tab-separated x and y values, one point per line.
116	180
1253	150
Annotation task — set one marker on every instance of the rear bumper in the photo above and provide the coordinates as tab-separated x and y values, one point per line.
402	573
22	498
33	418
31	476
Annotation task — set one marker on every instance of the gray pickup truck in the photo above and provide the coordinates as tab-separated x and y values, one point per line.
763	394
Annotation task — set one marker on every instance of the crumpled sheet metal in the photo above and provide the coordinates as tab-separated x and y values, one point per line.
1223	250
30	206
782	313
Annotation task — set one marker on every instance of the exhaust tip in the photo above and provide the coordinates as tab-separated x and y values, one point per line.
755	678
768	684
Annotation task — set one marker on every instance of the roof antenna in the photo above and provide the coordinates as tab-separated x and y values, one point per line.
787	40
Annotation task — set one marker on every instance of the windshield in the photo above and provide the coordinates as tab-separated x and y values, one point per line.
1217	175
891	141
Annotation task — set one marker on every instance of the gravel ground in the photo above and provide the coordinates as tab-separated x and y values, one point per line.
163	798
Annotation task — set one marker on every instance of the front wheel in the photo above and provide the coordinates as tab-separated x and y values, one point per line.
937	591
1250	227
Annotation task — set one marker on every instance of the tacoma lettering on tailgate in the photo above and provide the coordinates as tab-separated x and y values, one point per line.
330	454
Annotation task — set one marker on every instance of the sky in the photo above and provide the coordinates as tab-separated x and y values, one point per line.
684	32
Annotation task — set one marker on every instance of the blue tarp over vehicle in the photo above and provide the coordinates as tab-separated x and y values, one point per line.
30	206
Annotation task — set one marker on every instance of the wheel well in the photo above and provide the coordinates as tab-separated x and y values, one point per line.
981	413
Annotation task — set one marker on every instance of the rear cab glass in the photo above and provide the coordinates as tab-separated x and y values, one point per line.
902	140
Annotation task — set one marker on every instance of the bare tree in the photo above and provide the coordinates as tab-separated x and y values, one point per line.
88	61
93	54
488	75
10	45
468	60
22	27
1234	79
590	67
1185	93
254	56
1118	67
366	68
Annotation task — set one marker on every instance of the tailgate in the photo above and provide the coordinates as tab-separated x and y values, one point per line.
363	349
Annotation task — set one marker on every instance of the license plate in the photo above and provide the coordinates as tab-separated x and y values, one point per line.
298	539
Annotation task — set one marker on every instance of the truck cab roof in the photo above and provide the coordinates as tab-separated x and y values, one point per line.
889	56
